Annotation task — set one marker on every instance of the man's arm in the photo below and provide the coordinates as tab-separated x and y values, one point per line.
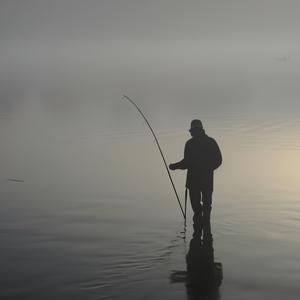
183	164
179	165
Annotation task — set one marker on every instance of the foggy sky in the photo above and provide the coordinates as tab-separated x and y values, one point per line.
128	20
64	66
195	57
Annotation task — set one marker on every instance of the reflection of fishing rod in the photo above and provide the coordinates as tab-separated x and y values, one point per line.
161	153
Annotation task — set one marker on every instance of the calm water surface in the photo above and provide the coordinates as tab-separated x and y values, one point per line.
88	213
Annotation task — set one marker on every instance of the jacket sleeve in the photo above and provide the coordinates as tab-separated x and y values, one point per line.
184	163
216	155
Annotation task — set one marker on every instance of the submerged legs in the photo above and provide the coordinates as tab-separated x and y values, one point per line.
201	204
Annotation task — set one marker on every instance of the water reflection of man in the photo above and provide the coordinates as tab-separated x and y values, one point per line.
203	276
202	156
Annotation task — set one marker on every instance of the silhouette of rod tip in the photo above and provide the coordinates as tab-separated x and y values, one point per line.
161	153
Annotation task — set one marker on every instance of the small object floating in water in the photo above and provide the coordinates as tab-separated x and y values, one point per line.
15	180
178	276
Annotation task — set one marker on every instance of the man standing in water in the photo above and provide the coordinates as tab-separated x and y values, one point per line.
201	157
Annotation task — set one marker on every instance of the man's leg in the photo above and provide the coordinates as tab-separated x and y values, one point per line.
207	201
195	197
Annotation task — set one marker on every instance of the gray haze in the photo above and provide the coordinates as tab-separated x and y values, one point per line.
177	59
86	207
64	66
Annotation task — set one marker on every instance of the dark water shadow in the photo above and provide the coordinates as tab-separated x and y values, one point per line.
203	276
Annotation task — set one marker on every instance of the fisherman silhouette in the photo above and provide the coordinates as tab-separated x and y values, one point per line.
203	276
202	156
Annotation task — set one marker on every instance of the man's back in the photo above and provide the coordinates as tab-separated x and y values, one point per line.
202	152
201	157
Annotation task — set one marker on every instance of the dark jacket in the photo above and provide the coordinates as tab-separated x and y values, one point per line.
202	156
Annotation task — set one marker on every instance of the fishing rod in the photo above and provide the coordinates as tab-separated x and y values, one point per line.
161	153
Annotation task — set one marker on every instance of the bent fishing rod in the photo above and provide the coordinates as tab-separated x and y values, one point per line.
160	151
